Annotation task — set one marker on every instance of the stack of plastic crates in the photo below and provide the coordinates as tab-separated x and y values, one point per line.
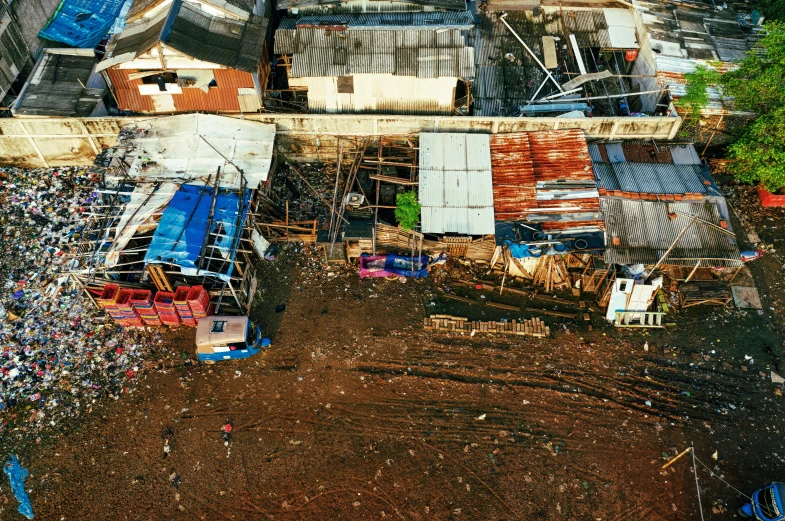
142	302
199	302
164	306
123	312
182	307
109	296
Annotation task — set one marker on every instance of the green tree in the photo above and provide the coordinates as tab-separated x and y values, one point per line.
697	97
759	153
407	210
758	86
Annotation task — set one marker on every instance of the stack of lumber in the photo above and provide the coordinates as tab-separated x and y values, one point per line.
529	327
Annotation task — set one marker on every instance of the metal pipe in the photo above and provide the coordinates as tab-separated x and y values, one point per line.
531	52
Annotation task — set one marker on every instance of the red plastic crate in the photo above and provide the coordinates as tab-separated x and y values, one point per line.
109	295
152	321
141	298
189	321
198	299
164	301
123	298
181	295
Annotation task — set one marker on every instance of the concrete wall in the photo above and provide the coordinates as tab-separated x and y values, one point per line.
31	142
32	15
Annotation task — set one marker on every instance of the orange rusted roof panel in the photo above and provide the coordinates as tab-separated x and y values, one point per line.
522	160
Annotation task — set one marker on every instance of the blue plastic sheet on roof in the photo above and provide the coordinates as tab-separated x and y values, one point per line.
82	23
180	234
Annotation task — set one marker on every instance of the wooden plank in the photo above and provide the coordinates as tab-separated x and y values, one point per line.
552	313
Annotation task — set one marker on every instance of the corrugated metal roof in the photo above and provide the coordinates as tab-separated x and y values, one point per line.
434	52
543	174
645	231
400	20
644	152
456	190
507	76
458	5
621	28
651	178
56	86
188	28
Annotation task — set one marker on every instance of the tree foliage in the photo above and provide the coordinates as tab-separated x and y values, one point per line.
697	97
407	210
758	85
759	153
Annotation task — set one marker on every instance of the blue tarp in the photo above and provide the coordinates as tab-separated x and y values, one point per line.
17	475
82	23
180	234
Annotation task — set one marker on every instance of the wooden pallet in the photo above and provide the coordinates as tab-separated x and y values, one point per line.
704	292
530	327
159	278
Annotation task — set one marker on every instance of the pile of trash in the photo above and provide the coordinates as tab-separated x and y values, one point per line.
58	353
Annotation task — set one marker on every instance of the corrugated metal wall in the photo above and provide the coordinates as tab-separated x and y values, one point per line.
222	98
372	93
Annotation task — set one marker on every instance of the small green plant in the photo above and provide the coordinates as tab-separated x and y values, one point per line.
407	210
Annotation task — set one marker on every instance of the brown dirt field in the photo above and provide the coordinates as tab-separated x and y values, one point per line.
355	412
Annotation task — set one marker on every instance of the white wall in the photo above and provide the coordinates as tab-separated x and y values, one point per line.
384	93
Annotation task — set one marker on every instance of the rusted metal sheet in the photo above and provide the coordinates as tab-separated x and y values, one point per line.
222	98
513	175
549	171
561	155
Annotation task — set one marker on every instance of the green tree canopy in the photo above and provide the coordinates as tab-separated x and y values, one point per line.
758	85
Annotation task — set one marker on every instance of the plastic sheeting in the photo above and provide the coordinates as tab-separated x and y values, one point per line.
181	232
82	23
191	148
393	264
146	200
17	475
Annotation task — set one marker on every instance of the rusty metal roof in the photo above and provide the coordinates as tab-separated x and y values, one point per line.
642	231
547	175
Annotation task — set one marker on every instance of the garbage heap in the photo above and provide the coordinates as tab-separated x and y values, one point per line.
58	353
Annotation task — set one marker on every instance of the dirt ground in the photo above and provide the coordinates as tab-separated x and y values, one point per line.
356	412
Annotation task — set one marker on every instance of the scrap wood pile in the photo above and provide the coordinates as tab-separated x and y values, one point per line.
528	327
551	272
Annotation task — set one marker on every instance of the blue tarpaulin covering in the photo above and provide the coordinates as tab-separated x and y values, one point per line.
181	232
82	23
17	475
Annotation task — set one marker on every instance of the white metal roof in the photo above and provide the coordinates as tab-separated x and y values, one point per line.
456	190
190	147
621	28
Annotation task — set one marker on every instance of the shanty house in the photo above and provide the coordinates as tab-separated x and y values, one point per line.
545	198
568	54
393	63
455	189
184	55
63	83
682	35
661	205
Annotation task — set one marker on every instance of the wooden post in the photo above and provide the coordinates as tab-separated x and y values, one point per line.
678	457
697	264
738	270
